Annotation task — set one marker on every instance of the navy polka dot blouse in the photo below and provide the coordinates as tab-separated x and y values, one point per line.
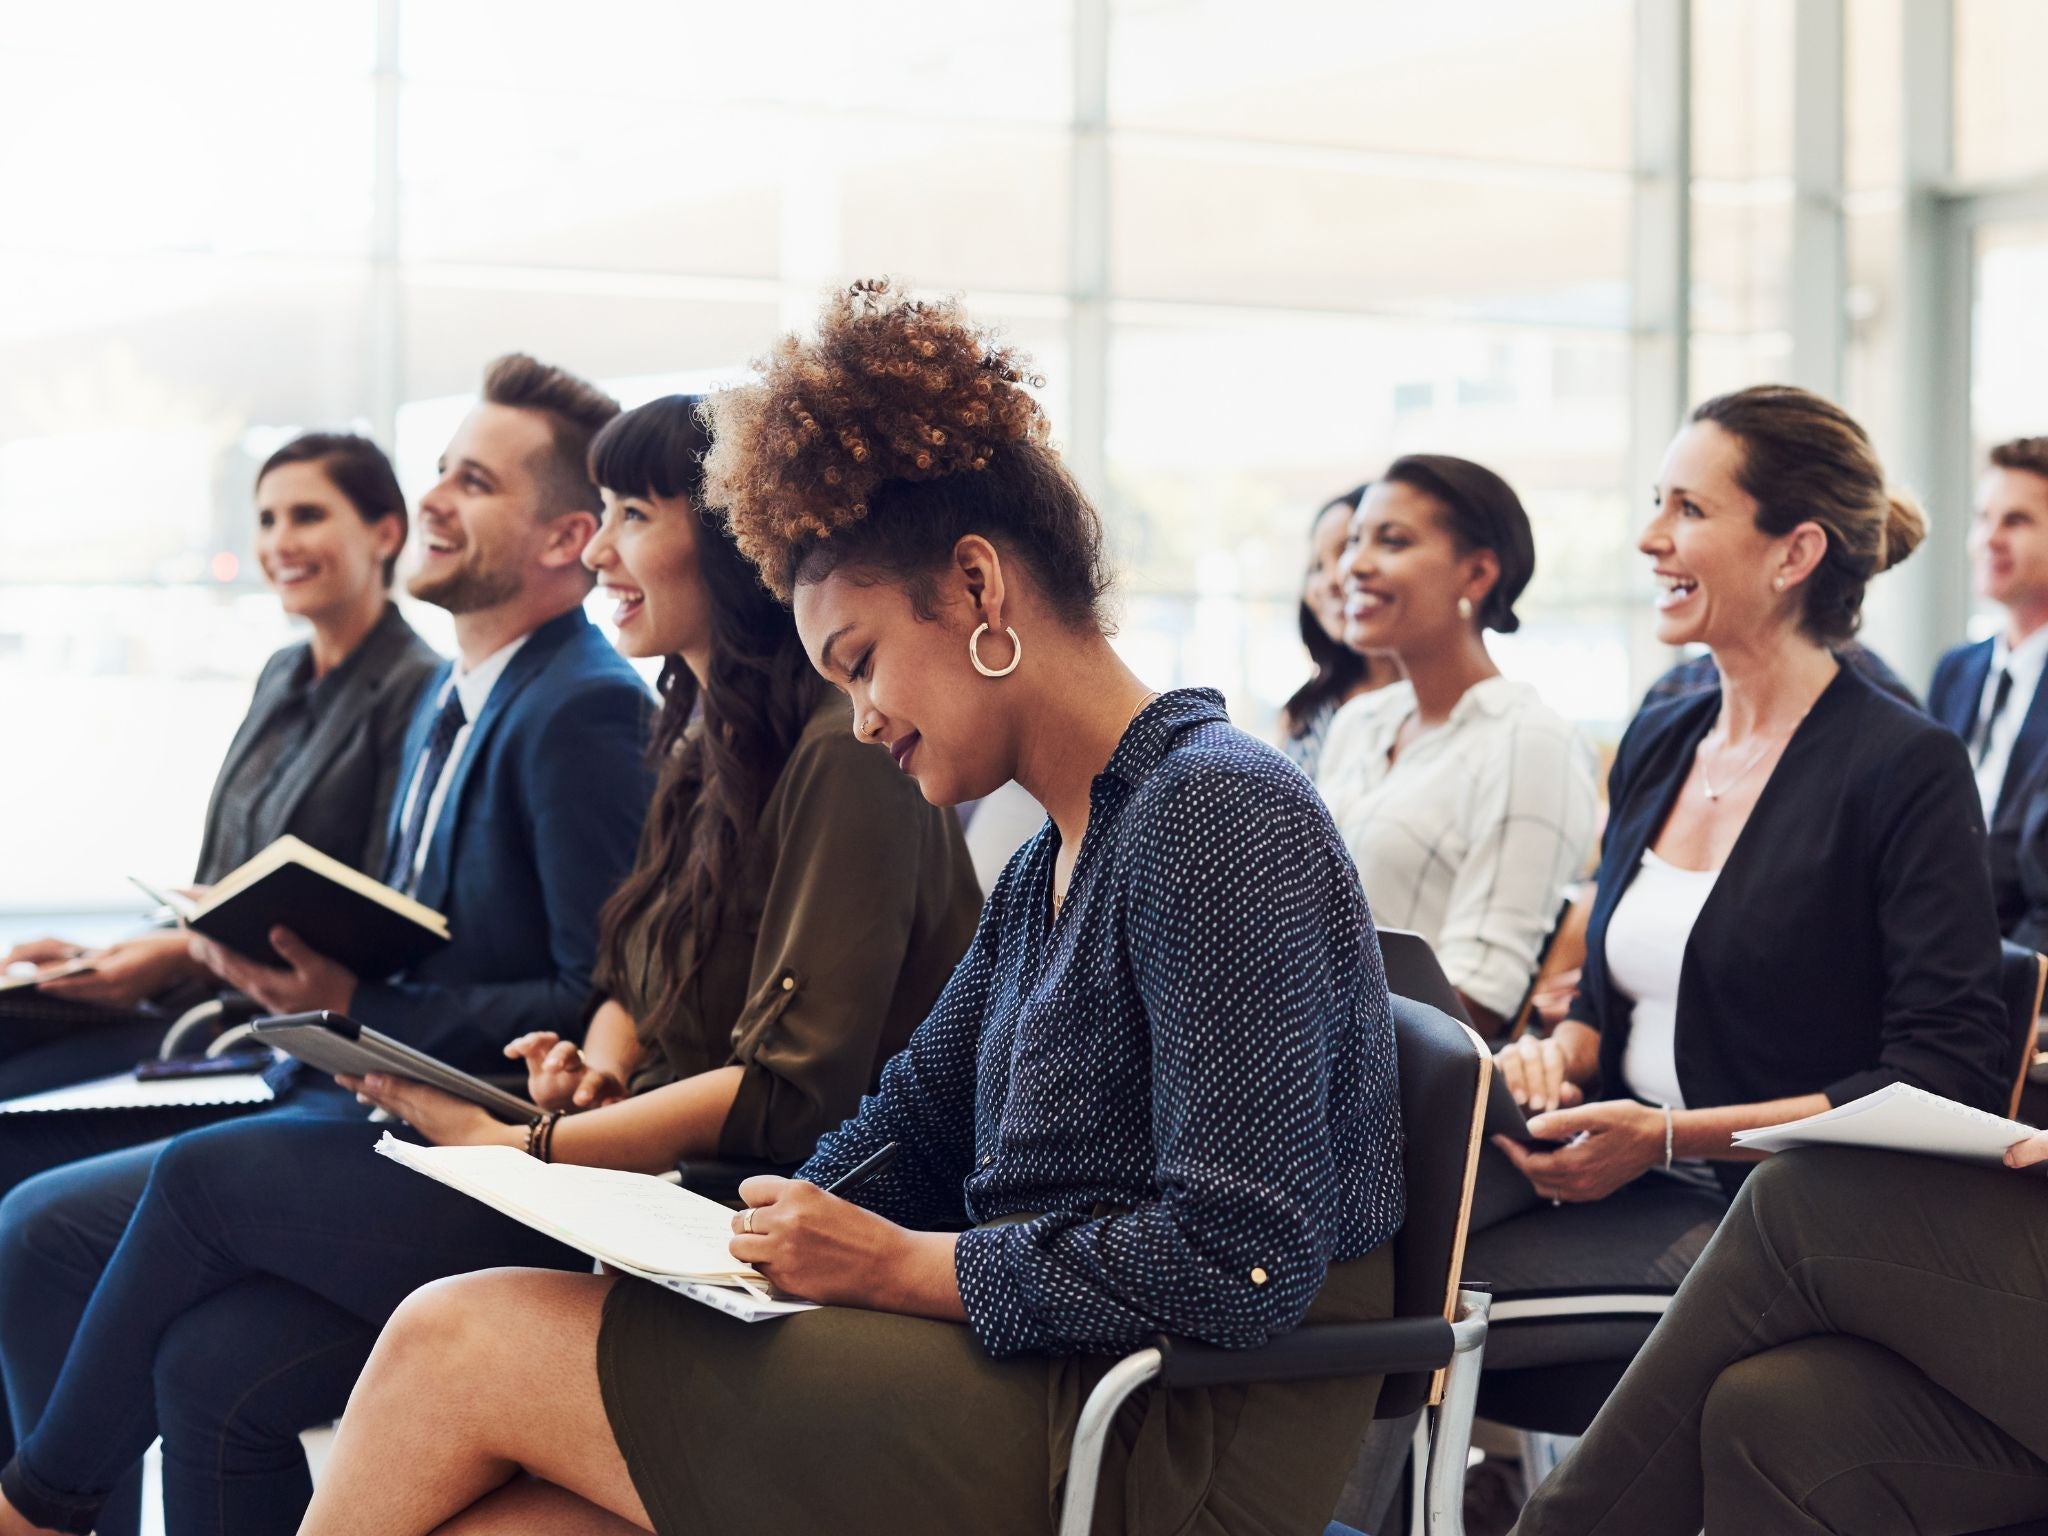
1173	1106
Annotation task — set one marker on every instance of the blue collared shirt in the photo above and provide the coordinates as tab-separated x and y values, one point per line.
1184	1083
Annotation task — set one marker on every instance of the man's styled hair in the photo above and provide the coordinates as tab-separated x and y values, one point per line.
576	410
2027	453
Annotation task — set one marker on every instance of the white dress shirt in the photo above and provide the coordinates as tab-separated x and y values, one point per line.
1472	836
474	684
1646	940
2024	661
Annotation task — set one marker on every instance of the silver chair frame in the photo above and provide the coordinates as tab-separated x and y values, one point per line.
1449	1442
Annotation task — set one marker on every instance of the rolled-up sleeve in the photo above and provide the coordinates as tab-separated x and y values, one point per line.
925	1104
1245	942
839	918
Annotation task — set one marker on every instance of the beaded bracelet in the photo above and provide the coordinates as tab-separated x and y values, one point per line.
540	1135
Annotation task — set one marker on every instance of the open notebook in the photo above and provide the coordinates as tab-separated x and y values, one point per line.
630	1221
1897	1118
343	913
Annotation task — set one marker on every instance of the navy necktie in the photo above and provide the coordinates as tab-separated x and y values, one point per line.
1999	696
440	742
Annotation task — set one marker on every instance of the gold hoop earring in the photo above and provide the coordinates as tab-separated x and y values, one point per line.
974	653
1464	607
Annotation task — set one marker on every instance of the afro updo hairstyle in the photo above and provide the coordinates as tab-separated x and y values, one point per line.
902	428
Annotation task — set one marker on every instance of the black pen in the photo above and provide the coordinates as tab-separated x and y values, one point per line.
864	1172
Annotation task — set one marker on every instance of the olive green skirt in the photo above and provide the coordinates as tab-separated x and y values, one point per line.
844	1422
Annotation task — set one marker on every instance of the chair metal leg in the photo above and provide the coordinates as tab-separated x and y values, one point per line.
1452	1442
1091	1436
1418	1476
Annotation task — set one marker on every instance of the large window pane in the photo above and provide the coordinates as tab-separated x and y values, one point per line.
1227	431
544	189
1741	258
920	58
2001	107
1873	74
209	172
1742	89
2010	333
1477	80
128	429
456	321
788	194
245	41
1206	223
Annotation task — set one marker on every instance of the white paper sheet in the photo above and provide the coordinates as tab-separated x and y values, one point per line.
1899	1118
124	1092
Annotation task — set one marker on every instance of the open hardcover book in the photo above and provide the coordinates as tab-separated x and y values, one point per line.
1897	1118
341	912
632	1222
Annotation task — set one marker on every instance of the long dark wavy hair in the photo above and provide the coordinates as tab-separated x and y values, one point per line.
730	737
1339	669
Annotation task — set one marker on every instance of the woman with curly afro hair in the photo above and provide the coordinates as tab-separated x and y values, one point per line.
1157	1095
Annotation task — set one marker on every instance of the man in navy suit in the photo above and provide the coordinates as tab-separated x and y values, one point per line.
524	784
1990	693
526	776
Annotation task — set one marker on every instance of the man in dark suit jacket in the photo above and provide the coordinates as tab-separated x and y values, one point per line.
1990	693
526	776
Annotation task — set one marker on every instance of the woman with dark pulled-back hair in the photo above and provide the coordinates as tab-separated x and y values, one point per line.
1341	674
1793	906
317	755
1158	1093
1467	801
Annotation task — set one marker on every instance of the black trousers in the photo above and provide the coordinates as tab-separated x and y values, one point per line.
1861	1351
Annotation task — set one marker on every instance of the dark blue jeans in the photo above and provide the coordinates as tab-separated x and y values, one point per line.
38	1053
235	1310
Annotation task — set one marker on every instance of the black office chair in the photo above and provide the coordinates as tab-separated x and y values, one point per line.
1430	1350
2021	976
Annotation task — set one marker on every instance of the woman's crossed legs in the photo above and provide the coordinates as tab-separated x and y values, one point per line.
480	1413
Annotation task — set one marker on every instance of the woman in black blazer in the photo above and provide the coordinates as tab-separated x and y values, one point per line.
316	756
1793	909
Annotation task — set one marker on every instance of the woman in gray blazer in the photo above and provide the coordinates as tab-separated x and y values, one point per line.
316	756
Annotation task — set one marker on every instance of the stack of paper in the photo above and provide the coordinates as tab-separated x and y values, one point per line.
125	1092
629	1221
1897	1118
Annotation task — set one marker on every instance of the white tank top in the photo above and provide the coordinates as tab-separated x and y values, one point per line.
1646	939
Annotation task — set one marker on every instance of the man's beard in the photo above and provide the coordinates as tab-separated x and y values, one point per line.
467	589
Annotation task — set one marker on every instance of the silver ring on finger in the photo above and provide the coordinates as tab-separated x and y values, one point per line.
747	1221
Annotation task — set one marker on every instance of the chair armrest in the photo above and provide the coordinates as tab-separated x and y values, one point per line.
1318	1350
716	1179
206	1021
